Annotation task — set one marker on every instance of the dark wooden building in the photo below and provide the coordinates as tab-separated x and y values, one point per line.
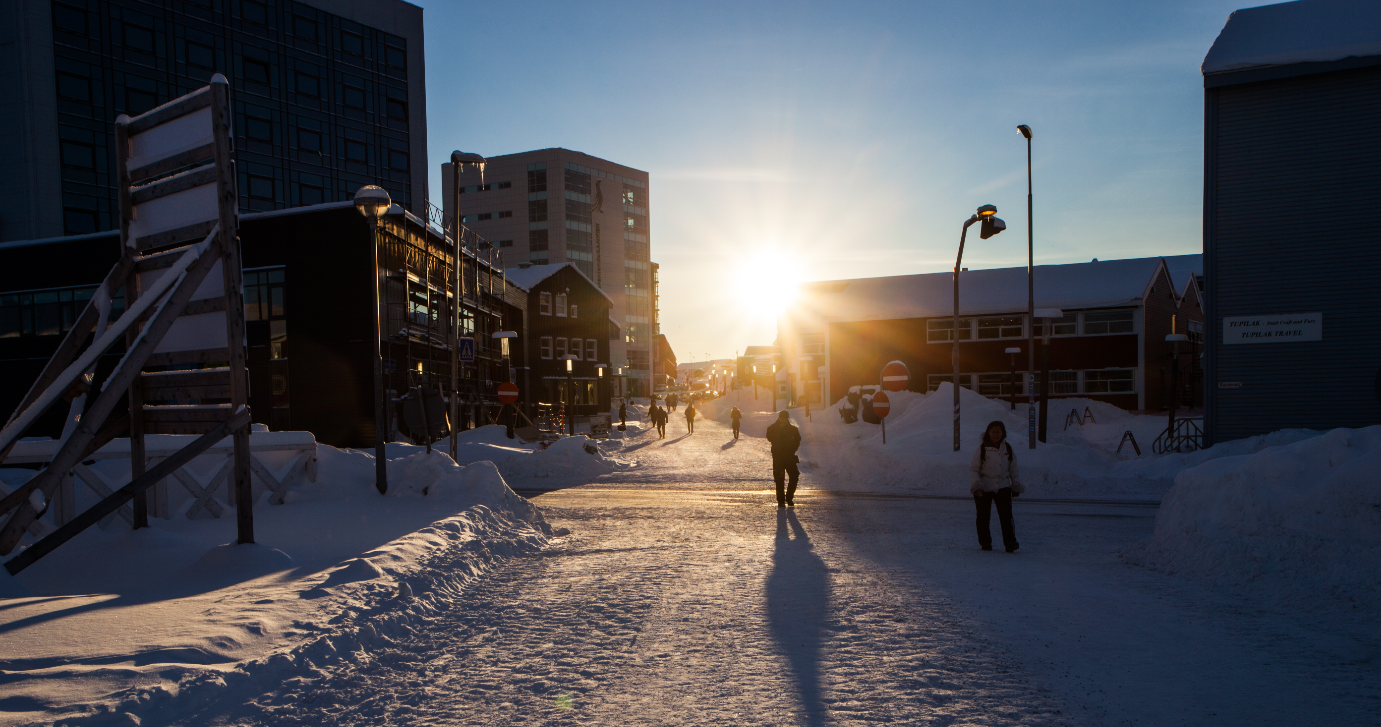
1292	191
568	315
308	306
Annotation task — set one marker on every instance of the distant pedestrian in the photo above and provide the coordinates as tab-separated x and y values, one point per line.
690	419
785	439
736	417
672	401
623	414
662	418
994	479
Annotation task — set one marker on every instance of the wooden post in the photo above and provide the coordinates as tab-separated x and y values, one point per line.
231	268
135	398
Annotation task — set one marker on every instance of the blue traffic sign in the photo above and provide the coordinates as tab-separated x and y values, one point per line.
465	349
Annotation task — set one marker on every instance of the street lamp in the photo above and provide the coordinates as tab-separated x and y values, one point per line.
372	202
599	385
459	160
991	225
570	391
1012	356
1030	299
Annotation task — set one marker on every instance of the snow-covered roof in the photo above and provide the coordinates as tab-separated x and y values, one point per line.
1078	286
527	278
1307	31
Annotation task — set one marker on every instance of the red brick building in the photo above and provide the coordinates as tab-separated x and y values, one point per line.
1109	346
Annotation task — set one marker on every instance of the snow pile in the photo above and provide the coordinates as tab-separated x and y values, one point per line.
577	457
1300	522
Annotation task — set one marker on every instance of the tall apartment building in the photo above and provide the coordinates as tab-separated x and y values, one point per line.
558	205
328	96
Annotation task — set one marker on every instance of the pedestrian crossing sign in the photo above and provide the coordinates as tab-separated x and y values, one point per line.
465	349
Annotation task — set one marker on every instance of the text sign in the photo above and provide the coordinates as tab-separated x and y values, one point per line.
465	349
881	404
1278	328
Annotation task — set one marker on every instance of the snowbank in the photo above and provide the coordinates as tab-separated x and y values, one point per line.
1300	522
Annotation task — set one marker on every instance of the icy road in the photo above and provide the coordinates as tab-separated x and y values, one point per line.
684	596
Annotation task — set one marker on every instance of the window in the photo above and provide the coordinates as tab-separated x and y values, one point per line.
78	221
398	160
561	305
264	295
255	12
353	97
74	88
573	310
813	344
503	185
1113	321
484	216
1066	326
258	129
397	109
260	187
308	140
138	101
537	178
304	28
46	313
1195	329
544	303
537	241
546	346
69	19
308	85
137	37
1062	382
591	349
308	194
78	156
395	56
1004	327
539	257
351	43
1109	382
560	347
942	329
256	71
505	243
200	56
999	384
356	152
576	349
536	210
503	215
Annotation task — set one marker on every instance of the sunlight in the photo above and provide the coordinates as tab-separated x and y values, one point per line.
765	283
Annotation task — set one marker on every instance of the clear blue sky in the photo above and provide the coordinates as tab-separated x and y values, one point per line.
808	141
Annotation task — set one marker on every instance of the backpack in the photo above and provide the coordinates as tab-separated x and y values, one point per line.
983	452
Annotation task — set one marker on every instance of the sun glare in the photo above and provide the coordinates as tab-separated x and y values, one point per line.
766	283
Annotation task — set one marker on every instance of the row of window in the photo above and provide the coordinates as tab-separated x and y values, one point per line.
482	216
557	347
1099	381
485	187
562	310
1091	323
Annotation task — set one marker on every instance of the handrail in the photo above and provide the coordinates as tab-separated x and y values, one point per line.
1185	436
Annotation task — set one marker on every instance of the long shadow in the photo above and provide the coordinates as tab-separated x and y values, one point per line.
674	441
729	444
798	600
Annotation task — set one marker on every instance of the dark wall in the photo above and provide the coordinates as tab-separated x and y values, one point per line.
1292	189
593	322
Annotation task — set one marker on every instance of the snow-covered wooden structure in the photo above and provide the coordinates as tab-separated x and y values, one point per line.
181	274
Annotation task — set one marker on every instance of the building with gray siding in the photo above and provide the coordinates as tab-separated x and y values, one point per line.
1292	192
328	95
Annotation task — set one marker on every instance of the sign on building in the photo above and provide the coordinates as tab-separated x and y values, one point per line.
465	349
1274	328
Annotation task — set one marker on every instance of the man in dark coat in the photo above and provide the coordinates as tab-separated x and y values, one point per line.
785	439
623	413
736	417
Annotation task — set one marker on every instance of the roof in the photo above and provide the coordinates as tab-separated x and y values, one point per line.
1308	31
1078	286
761	351
529	277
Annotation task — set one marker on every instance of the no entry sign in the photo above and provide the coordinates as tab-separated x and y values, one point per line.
508	393
895	376
881	404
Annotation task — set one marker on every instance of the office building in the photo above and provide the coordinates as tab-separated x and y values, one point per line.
327	96
1292	189
554	206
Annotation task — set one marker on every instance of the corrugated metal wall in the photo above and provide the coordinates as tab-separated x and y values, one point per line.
1292	224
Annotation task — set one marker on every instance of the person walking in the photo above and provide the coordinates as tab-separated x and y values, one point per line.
659	420
736	417
690	419
995	479
785	439
623	413
671	401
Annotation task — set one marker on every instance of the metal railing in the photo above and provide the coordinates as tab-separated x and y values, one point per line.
1185	436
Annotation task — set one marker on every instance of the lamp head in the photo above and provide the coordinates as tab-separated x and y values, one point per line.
991	226
1025	130
371	201
462	159
987	210
569	366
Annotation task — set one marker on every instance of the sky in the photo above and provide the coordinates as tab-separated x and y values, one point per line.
790	142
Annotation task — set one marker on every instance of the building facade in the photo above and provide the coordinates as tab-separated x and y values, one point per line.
567	316
1108	346
327	96
1292	180
554	206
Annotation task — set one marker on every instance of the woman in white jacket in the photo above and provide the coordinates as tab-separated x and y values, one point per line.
994	478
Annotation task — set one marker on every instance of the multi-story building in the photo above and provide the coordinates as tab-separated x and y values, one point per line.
328	96
554	206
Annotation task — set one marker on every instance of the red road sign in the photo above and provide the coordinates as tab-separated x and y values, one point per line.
881	405
508	393
895	377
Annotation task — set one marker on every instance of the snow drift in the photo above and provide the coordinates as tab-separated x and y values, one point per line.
1300	522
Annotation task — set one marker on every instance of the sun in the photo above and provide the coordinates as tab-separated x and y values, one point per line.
766	283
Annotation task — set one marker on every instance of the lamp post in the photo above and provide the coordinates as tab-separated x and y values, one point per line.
806	363
1030	298
372	202
459	160
987	214
570	392
599	384
1046	315
1012	355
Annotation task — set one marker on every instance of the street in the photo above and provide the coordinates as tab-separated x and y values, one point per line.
683	596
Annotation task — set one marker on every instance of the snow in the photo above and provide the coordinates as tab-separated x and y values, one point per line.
532	275
1307	31
1299	523
1075	286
